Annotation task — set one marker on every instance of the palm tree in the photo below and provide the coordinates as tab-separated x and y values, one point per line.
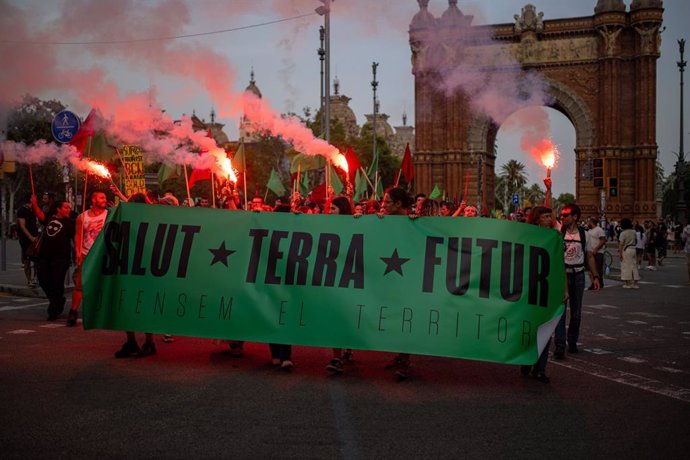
514	176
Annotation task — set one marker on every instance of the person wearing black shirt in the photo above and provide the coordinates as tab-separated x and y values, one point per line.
55	254
28	232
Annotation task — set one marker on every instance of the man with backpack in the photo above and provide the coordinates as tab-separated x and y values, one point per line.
577	258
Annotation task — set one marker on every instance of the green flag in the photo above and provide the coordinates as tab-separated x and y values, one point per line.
373	167
304	184
435	193
239	162
167	172
274	184
360	186
336	183
307	162
481	289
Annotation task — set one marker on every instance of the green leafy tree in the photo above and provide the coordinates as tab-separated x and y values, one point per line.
28	122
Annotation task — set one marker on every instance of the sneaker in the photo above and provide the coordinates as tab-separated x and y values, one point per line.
236	349
403	373
287	365
148	349
348	356
541	377
395	364
572	348
627	286
335	366
72	318
560	352
275	362
167	338
128	349
635	286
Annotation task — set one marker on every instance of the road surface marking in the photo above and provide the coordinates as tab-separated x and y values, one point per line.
626	378
633	360
598	351
23	307
609	317
672	370
53	325
606	337
602	306
634	321
646	315
21	331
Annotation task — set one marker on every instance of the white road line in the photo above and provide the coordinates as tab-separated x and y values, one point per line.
609	317
598	351
672	370
646	315
21	299
626	378
21	331
633	360
606	337
23	307
637	322
601	306
53	325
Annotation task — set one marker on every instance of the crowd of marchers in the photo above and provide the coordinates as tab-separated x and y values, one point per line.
54	238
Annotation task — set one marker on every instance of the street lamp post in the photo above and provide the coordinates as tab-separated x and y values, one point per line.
680	164
325	11
374	85
322	55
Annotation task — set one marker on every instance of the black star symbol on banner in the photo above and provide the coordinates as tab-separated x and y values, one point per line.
221	255
394	263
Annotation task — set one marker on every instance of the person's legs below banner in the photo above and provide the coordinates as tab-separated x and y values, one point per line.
73	314
575	294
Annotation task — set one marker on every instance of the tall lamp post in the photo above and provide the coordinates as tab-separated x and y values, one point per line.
681	207
374	85
325	11
322	56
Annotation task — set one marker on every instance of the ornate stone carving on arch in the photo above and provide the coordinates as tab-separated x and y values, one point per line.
564	99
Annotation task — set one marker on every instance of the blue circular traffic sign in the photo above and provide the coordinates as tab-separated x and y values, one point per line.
65	125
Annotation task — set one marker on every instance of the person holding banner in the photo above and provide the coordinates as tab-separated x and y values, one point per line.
543	217
340	205
396	202
131	348
577	258
89	225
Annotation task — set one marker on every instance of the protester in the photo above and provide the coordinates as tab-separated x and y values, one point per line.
577	257
281	354
639	245
597	238
340	205
55	253
650	248
627	252
131	348
28	232
396	202
88	226
661	241
543	217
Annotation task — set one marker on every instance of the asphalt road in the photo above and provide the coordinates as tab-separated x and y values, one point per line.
627	394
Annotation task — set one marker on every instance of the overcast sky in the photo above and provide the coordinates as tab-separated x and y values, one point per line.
283	56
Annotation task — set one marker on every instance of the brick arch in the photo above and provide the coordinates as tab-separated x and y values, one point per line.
600	72
481	131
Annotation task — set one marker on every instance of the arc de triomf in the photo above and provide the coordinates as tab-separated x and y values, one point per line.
599	71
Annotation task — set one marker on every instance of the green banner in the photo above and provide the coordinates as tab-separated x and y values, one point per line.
479	289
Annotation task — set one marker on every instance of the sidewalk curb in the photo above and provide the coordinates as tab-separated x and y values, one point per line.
25	291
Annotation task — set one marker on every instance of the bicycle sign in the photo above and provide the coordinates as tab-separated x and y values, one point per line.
64	126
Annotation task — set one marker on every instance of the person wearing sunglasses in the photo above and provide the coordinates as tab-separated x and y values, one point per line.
577	259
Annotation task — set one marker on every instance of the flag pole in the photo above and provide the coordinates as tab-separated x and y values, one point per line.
364	173
31	179
244	174
86	178
397	180
122	161
213	189
186	182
